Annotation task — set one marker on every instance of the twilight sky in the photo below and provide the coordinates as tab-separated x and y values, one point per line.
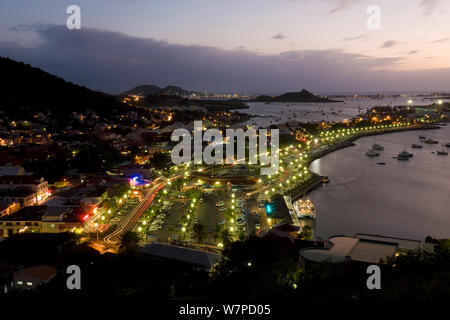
256	46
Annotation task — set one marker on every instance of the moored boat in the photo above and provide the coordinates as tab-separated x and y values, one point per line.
431	141
404	156
372	153
377	147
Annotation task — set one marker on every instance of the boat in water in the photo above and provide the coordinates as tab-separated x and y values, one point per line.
431	141
381	163
377	147
442	152
372	154
416	146
404	156
304	208
447	145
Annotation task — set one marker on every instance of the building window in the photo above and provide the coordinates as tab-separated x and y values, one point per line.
19	283
29	284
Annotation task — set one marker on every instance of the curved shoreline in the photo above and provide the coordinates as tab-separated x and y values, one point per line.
317	180
349	142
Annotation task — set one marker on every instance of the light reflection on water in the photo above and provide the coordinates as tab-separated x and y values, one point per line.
404	199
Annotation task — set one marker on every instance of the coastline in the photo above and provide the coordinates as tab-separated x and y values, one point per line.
316	180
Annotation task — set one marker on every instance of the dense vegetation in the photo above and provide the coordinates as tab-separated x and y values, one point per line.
27	89
253	269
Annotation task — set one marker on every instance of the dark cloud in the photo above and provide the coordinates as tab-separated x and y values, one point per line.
362	36
440	40
430	6
114	62
389	44
278	36
338	5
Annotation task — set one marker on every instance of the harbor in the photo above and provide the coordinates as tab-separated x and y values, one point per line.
399	196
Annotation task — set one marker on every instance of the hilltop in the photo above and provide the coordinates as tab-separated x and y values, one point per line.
148	89
302	96
28	89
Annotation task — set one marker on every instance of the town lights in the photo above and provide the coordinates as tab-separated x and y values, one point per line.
231	229
140	229
220	245
183	229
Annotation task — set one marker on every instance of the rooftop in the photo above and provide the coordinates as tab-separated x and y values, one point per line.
42	272
344	248
16	193
32	213
11	179
192	256
11	170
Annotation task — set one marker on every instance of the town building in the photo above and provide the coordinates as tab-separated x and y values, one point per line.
196	258
11	171
362	248
8	208
42	219
31	278
38	188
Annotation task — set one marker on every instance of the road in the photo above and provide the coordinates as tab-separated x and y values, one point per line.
132	218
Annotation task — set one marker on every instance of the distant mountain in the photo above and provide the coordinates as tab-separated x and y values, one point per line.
145	90
25	89
173	90
302	96
148	89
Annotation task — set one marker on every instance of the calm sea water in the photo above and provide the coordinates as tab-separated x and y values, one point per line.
273	113
404	199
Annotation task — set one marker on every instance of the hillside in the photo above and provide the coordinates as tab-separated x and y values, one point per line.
25	89
149	89
145	89
302	96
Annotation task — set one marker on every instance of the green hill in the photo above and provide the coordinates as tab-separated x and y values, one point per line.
27	89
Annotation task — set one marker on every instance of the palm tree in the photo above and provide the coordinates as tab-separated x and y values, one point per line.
225	237
216	234
199	233
129	242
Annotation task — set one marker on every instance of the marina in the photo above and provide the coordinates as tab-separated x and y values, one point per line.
403	198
